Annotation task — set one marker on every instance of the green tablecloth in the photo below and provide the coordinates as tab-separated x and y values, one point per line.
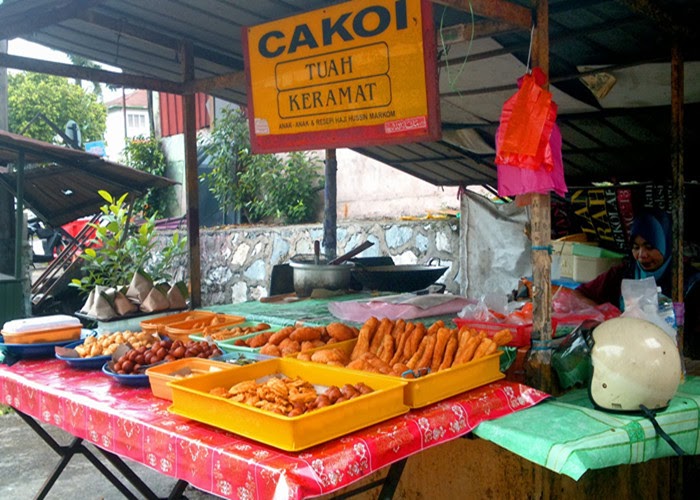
568	436
312	312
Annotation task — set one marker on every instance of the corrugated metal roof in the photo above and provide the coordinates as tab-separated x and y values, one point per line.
624	135
62	184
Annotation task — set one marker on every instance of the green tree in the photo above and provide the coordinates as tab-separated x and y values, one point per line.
146	155
59	100
259	185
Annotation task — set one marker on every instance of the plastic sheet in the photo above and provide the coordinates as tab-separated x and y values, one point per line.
404	306
134	424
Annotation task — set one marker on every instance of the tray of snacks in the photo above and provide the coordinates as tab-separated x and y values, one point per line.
135	361
290	340
157	325
436	362
288	404
200	326
92	352
42	330
235	331
159	375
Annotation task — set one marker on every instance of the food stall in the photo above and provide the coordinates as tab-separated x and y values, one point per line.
463	449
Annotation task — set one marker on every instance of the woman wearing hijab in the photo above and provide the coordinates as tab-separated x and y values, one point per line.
651	242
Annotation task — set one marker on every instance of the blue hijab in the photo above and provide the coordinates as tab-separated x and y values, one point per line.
655	228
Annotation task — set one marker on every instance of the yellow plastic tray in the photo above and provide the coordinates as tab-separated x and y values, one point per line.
191	399
160	375
434	387
157	325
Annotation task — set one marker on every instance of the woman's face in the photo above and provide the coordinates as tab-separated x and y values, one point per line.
646	254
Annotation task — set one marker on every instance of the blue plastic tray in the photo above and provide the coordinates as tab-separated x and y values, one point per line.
134	380
92	363
32	351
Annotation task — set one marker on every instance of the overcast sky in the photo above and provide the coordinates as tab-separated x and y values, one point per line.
20	47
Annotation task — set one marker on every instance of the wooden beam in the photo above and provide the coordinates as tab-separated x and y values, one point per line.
90	74
539	368
189	119
499	10
29	21
678	172
663	19
205	85
458	33
156	38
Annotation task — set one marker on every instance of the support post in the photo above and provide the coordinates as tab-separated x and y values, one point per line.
678	173
191	177
19	216
330	207
539	369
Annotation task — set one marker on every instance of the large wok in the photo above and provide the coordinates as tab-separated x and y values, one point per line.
397	278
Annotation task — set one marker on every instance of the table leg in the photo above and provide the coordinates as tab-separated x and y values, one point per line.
77	446
388	483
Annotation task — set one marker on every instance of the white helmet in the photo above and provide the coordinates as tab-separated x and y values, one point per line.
634	363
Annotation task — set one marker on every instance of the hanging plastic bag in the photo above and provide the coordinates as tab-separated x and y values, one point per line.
514	181
571	359
527	120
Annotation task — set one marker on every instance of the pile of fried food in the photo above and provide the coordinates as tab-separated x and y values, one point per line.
238	331
105	345
293	339
408	349
289	396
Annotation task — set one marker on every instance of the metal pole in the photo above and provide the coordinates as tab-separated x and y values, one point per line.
19	216
330	212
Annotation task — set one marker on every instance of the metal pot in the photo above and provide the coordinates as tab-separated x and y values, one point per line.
308	275
398	278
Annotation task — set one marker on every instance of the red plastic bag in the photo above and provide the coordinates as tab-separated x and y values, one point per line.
527	120
513	181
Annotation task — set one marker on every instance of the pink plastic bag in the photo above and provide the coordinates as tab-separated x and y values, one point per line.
527	120
513	181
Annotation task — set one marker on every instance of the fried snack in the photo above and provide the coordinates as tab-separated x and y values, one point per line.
333	355
450	350
399	342
435	327
425	360
413	342
399	368
305	333
384	328
280	335
304	356
340	332
502	337
289	346
486	347
442	336
258	340
375	362
398	328
307	345
387	349
271	350
468	353
413	362
364	338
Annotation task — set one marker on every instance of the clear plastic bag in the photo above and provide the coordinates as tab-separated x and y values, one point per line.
571	359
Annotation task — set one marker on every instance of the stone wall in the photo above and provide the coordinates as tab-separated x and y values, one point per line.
237	260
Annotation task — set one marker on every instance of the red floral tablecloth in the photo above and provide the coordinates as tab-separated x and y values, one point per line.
132	423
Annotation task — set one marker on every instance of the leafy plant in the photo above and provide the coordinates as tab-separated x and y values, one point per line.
59	100
146	155
262	185
120	248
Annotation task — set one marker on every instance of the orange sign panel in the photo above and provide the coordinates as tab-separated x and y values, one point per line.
359	73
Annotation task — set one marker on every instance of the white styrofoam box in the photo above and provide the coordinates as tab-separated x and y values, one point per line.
55	322
565	250
588	268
